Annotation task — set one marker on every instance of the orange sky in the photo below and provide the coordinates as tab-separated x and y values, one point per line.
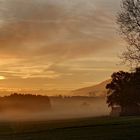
58	44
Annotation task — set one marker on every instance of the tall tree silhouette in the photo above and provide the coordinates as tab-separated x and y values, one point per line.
136	85
124	91
117	89
129	22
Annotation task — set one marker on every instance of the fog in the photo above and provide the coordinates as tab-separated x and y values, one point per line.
61	108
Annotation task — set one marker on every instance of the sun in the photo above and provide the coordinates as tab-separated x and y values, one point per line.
2	77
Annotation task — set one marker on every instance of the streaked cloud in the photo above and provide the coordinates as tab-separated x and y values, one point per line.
42	41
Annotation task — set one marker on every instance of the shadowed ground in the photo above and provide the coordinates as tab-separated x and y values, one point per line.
105	128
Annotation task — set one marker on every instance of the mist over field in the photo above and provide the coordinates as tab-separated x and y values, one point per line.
84	102
79	107
61	108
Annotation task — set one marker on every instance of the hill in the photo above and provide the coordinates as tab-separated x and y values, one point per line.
98	90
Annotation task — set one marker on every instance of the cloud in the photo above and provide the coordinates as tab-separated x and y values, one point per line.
48	28
37	36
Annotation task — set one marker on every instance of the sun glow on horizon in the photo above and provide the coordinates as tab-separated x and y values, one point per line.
2	77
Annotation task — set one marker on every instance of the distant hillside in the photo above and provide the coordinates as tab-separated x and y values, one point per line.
98	90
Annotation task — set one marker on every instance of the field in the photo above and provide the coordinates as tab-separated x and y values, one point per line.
103	128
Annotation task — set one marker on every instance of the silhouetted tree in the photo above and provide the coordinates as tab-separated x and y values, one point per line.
124	91
129	22
135	81
117	89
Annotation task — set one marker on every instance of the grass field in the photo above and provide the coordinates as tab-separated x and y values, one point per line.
104	128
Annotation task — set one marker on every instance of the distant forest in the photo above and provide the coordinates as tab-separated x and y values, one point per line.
24	102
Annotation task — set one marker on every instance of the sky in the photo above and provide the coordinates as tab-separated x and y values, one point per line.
58	44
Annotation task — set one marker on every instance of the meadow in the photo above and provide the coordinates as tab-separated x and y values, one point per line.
100	128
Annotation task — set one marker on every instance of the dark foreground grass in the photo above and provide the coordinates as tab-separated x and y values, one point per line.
103	128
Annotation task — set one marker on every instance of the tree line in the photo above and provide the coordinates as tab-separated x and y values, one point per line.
25	102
